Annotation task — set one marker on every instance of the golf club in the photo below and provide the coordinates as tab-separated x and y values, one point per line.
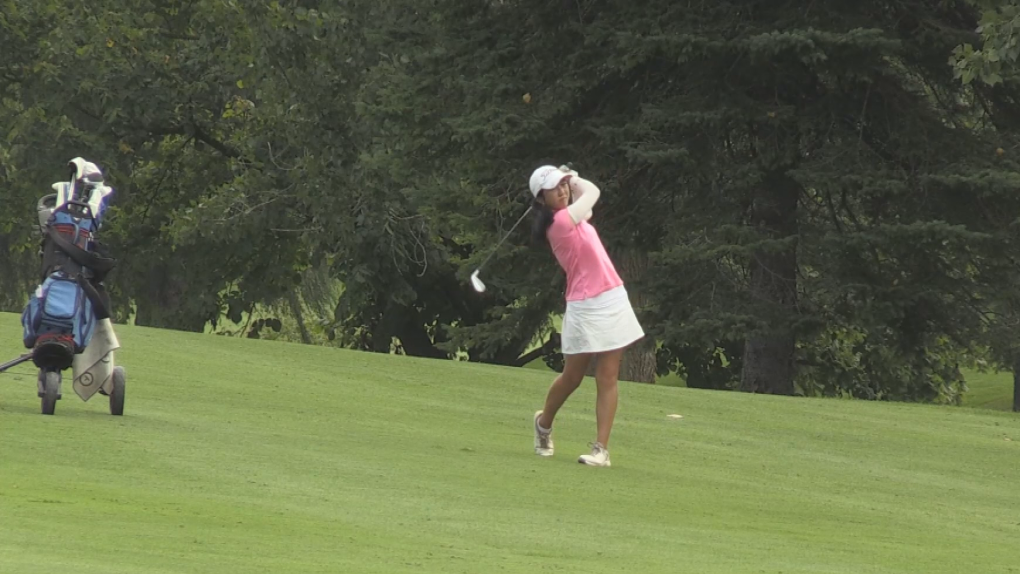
475	281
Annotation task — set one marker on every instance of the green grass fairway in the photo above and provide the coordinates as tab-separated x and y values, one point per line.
244	456
989	390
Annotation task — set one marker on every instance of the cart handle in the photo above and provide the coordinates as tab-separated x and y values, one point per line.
22	359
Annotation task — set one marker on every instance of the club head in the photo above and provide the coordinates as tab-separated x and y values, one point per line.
477	283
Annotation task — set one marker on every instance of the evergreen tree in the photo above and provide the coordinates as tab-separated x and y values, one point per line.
795	171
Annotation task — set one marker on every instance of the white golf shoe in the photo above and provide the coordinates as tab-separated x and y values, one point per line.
543	440
599	456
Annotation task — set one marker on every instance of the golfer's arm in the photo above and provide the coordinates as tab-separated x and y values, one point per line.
586	194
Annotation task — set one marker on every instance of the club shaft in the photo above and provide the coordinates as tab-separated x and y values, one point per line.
496	248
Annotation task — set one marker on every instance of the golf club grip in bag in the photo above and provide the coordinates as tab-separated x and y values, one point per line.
62	313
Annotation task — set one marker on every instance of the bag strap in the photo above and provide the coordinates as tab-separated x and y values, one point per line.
97	263
99	307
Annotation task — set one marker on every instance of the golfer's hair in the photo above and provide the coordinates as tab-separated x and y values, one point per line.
540	226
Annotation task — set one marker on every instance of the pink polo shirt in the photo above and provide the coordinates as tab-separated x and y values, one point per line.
581	254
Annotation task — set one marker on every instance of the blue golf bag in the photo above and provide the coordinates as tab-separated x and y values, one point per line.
62	313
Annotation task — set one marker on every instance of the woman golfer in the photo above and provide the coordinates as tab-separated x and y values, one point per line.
599	321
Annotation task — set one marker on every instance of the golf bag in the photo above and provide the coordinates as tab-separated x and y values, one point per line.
62	313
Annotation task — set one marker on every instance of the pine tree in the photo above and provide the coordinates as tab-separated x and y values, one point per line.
792	170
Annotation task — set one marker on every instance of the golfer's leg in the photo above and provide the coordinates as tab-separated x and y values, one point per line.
574	367
607	372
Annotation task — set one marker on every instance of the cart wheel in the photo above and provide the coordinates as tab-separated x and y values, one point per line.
50	392
117	394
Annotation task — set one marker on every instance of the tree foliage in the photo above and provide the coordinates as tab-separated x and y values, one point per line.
997	44
803	198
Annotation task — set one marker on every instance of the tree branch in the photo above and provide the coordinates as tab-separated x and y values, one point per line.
212	142
548	347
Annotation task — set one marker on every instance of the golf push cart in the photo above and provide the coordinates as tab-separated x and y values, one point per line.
67	319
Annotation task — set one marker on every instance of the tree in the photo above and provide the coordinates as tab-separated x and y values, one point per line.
777	152
989	69
999	44
207	222
801	199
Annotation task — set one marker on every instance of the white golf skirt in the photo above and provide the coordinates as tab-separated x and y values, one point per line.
601	323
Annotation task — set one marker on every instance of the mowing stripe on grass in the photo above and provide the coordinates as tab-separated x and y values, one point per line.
256	456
